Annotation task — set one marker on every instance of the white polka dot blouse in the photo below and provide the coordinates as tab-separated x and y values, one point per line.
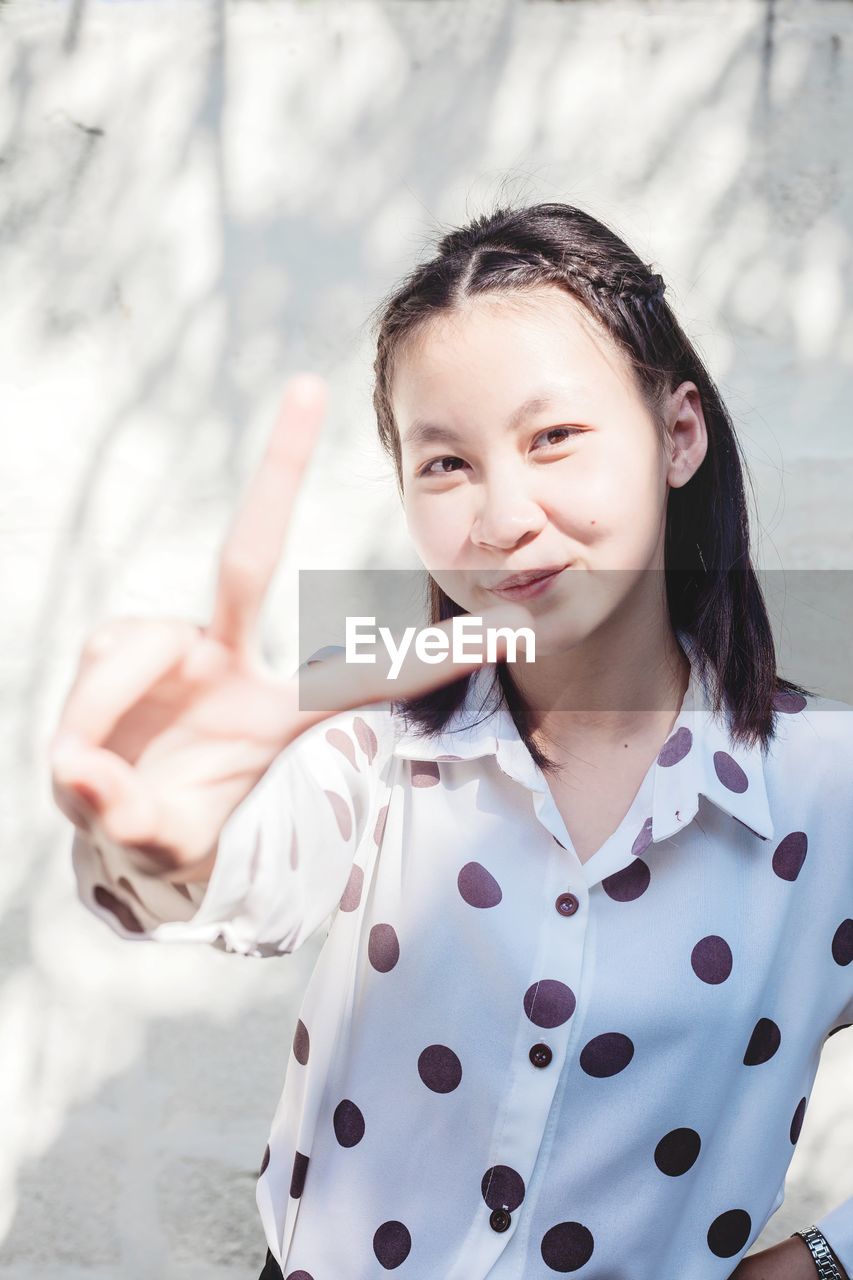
509	1063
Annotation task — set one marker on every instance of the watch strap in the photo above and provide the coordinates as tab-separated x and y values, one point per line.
819	1248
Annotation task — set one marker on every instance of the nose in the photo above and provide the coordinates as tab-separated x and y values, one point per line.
506	514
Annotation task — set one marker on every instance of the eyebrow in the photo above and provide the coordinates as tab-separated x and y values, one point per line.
422	432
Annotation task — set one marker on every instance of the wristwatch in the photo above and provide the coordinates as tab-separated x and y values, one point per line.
819	1249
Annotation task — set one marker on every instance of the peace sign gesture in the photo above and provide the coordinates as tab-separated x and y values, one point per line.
168	725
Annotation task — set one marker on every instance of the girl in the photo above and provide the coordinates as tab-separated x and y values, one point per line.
589	916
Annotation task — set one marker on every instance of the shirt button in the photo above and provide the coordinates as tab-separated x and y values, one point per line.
499	1219
540	1055
567	904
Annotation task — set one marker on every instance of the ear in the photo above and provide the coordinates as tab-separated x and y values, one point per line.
687	434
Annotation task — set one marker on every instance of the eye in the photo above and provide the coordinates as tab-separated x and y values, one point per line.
427	470
567	432
439	466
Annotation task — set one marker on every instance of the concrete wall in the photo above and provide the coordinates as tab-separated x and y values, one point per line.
196	199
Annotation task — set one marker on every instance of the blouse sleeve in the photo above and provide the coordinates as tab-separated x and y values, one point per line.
837	1226
837	1223
283	859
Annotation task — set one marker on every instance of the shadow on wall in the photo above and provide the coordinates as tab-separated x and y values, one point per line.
188	209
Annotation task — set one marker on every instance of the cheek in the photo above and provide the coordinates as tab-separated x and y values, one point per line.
618	503
437	529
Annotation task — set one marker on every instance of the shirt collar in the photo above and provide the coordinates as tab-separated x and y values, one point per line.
698	758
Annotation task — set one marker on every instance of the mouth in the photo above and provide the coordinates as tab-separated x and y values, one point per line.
521	586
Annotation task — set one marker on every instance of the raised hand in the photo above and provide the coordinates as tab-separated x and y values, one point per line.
168	724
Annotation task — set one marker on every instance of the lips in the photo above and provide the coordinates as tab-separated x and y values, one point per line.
531	575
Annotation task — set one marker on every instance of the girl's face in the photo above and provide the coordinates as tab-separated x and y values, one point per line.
525	444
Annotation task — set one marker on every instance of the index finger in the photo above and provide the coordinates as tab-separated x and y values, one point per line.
253	545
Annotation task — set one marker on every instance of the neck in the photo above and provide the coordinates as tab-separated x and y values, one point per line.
611	691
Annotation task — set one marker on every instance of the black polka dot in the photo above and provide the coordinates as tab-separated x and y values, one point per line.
502	1187
351	896
676	747
607	1054
301	1042
365	737
788	702
265	1161
340	808
567	1247
392	1244
348	1123
549	1003
797	1120
343	743
763	1043
729	772
629	883
297	1180
425	773
124	883
383	947
379	829
643	840
478	886
439	1068
711	958
729	1232
842	942
790	854
677	1151
119	908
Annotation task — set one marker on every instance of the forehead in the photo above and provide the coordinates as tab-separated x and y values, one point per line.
494	349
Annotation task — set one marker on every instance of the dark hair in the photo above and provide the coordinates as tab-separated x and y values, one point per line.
712	590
